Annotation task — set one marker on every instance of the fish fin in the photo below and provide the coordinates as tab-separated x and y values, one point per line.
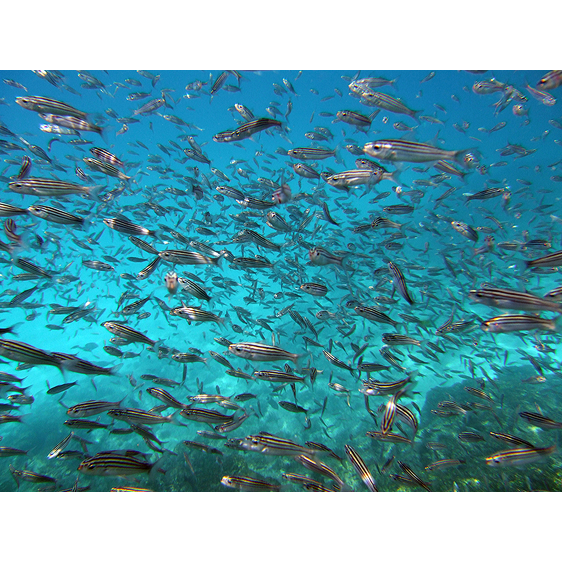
94	192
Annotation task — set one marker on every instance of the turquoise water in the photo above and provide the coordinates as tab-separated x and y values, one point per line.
168	192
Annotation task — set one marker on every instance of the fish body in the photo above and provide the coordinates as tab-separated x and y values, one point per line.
124	331
41	104
321	256
519	322
513	300
247	484
46	187
112	464
262	352
520	456
397	150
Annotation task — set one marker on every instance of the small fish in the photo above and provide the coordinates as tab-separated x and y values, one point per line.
247	484
516	457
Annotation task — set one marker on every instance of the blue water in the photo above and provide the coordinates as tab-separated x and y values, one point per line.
446	103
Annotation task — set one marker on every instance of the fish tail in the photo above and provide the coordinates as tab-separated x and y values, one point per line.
395	176
156	467
94	192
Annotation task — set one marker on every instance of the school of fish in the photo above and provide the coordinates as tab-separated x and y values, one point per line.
353	286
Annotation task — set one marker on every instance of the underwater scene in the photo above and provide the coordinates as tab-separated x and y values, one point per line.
217	281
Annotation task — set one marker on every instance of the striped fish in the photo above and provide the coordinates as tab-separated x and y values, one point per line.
382	222
466	230
305	481
374	315
246	130
134	306
380	388
397	150
320	468
399	339
29	476
407	417
519	322
144	246
231	425
127	227
98	265
512	440
337	362
202	447
7	210
149	269
444	463
196	315
137	416
72	123
321	256
315	289
184	257
479	393
470	437
389	437
354	118
76	365
510	299
150	106
311	153
399	282
193	289
19	351
106	156
516	457
57	449
25	169
277	222
41	104
188	358
52	214
46	187
389	414
126	332
252	263
485	194
92	408
220	359
548	260
262	352
112	464
105	168
166	397
277	376
207	398
269	444
413	476
11	452
361	468
353	178
540	421
90	425
246	484
205	416
248	235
